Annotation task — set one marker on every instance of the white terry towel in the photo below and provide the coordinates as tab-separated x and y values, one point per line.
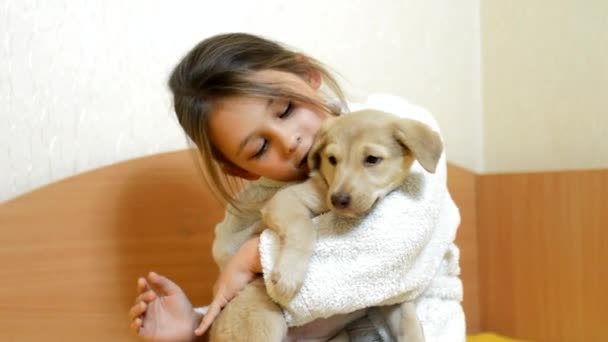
402	249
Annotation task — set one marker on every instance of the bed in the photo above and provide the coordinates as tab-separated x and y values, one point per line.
71	251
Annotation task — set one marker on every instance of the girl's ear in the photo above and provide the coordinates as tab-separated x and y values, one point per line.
236	171
314	79
313	76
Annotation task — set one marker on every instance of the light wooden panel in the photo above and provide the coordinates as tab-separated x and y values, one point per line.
463	184
71	252
543	247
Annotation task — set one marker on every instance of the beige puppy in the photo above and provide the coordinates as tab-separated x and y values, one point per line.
356	160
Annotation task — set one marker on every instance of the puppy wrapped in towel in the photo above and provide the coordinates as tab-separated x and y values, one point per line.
403	250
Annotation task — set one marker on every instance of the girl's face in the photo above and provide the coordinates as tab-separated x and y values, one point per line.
268	138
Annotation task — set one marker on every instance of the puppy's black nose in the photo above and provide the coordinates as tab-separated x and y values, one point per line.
340	200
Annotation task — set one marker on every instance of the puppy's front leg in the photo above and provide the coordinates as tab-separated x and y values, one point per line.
289	214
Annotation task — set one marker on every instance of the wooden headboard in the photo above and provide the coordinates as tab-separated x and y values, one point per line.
71	251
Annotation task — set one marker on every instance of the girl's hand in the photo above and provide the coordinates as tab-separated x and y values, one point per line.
162	312
240	270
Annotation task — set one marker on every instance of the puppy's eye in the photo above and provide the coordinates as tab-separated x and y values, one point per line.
332	160
372	160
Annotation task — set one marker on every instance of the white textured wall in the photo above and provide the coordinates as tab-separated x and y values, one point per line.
83	82
545	84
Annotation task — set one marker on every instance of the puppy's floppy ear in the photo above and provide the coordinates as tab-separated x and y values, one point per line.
422	140
314	155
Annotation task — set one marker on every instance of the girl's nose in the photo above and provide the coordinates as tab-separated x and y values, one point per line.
290	142
296	141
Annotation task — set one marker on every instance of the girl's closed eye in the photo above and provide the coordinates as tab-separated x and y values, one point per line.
287	111
261	150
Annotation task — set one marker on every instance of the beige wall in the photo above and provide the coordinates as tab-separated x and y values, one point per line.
425	51
544	84
515	85
84	82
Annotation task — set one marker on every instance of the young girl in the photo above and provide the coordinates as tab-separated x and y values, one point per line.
252	108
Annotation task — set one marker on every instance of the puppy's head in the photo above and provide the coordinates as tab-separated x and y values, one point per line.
364	155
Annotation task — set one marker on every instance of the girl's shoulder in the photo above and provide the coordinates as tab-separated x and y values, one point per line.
250	199
259	190
396	105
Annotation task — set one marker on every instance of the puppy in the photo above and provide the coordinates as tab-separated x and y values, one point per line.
356	160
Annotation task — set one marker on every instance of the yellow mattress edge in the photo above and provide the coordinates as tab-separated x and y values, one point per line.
490	337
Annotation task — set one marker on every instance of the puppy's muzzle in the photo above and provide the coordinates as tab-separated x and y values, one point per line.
340	200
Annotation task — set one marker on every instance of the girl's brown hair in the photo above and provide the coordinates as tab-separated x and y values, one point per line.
222	66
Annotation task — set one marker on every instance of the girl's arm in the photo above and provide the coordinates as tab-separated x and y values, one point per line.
239	271
236	250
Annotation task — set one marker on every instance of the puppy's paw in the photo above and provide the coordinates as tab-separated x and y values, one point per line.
286	286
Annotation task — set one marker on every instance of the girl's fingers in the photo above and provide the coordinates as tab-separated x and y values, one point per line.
142	285
146	297
208	319
136	325
162	285
137	310
214	309
202	328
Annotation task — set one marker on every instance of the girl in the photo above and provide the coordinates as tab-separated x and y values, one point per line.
253	109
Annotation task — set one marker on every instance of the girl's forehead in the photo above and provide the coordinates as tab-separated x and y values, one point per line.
233	118
238	102
273	76
284	79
